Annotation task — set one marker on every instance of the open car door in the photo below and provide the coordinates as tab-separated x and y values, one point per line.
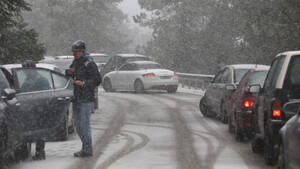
44	96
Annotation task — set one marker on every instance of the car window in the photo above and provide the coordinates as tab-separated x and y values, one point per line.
136	59
225	76
101	59
295	69
59	81
150	66
242	81
34	80
277	71
238	74
258	78
270	73
218	76
3	83
127	67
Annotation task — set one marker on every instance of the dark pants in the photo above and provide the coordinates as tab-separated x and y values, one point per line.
40	145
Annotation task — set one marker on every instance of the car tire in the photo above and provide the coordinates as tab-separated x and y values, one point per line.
107	85
3	144
139	86
230	126
172	89
238	133
224	117
22	152
281	158
203	108
269	153
257	145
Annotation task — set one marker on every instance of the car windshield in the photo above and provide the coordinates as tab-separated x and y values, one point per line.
101	59
150	66
136	59
238	74
258	78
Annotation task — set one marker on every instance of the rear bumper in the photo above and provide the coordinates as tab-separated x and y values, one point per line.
159	83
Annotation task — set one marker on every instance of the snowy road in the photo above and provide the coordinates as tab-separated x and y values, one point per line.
151	130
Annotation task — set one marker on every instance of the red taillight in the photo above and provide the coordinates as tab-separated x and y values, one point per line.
248	103
175	74
149	75
276	109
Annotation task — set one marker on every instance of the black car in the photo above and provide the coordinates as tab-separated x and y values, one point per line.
289	139
282	85
118	60
39	112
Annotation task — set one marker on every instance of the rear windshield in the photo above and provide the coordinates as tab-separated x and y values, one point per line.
258	78
101	59
238	74
150	66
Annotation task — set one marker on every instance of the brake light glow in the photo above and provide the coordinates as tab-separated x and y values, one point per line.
149	75
248	103
276	109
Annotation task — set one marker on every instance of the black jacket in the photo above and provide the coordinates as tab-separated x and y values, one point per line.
87	72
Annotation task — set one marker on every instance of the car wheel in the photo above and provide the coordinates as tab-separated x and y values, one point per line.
139	86
172	89
230	126
22	152
3	140
107	85
203	108
281	158
269	154
224	117
238	133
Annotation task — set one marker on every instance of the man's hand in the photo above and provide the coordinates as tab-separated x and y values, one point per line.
79	83
72	70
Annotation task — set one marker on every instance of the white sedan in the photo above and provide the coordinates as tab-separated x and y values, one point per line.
140	76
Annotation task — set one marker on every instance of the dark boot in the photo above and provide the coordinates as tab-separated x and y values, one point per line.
83	154
39	156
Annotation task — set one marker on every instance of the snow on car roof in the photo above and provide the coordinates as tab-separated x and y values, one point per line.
289	53
130	55
248	66
39	65
143	62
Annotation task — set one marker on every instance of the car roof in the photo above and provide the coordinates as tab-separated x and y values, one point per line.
130	55
248	66
97	54
144	62
289	53
39	65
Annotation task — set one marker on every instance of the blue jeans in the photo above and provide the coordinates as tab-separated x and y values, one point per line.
81	114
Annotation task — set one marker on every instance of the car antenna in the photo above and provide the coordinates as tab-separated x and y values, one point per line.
256	63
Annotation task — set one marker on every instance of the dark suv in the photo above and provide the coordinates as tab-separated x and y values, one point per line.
118	60
282	85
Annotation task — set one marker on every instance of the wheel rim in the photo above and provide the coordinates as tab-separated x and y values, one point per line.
107	85
139	87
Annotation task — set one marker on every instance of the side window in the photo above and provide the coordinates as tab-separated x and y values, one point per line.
272	70
3	82
242	81
111	61
277	71
127	67
59	81
225	75
293	75
218	76
33	79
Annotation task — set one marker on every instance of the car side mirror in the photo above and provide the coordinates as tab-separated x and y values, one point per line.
230	87
208	79
255	88
8	94
291	107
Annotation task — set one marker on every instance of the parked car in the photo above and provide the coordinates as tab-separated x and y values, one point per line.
289	138
239	105
140	76
214	100
282	85
100	59
38	113
62	132
118	60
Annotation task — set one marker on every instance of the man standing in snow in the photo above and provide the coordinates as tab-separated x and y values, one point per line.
86	75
